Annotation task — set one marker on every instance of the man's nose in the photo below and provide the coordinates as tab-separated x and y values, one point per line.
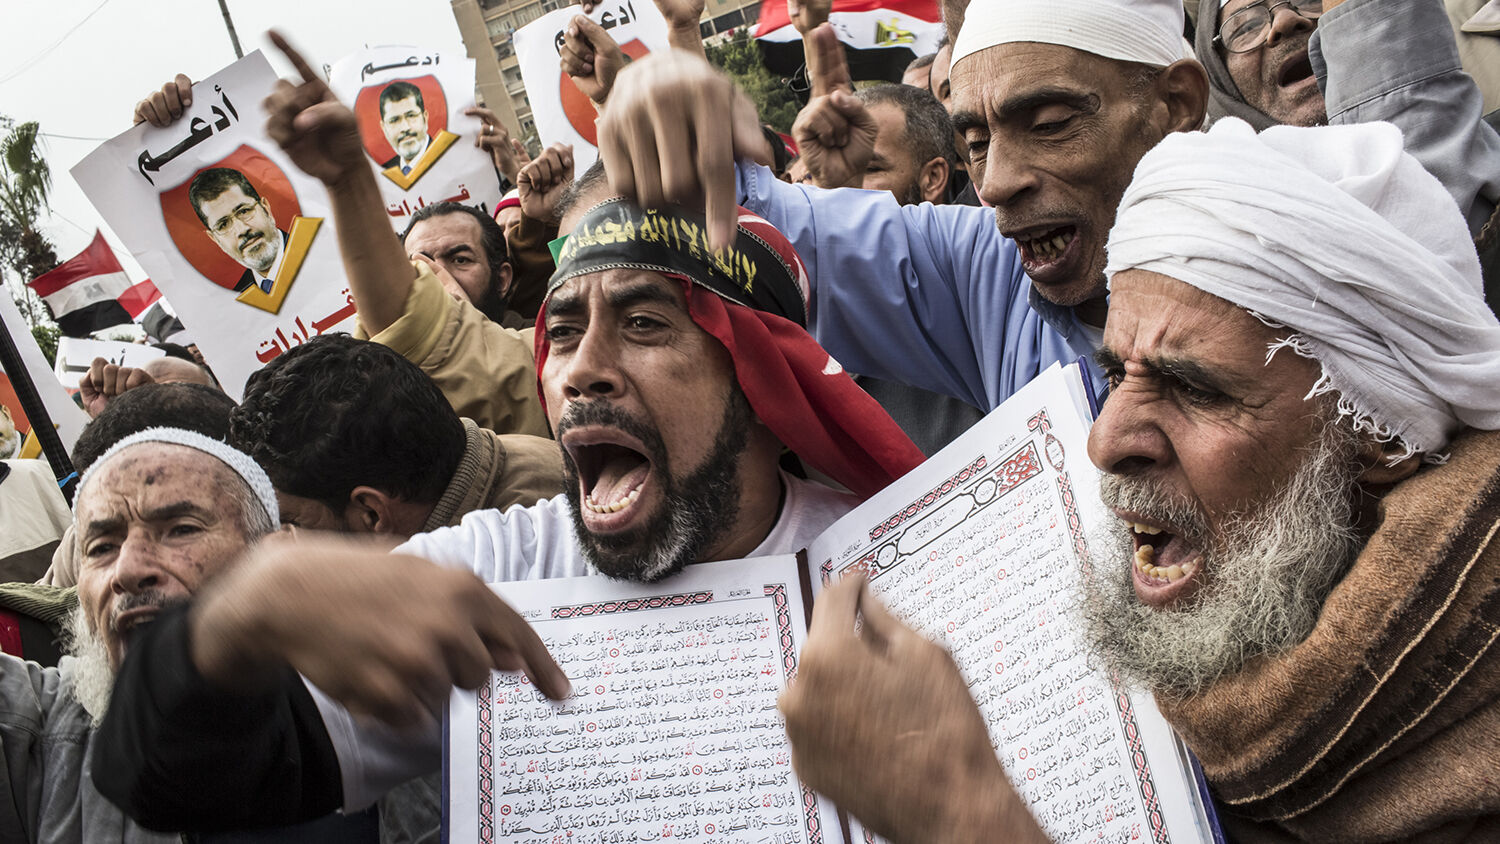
137	567
1005	178
1126	437
593	368
1286	22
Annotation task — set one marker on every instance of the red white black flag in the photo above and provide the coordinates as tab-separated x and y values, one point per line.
90	291
881	37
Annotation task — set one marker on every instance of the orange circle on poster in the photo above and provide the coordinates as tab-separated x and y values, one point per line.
367	112
576	104
191	236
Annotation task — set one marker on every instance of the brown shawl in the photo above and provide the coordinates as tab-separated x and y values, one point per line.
1384	724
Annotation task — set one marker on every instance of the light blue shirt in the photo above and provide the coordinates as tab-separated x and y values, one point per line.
927	295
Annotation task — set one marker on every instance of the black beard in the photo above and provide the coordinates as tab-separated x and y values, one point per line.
696	510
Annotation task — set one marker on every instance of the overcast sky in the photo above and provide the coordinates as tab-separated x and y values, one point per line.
78	67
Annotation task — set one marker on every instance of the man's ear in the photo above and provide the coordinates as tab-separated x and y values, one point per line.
932	180
505	278
1182	88
370	511
1376	457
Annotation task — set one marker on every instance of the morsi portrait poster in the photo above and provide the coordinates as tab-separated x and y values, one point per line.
564	114
410	105
229	229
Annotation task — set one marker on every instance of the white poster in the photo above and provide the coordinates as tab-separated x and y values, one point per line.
410	105
232	232
564	114
75	356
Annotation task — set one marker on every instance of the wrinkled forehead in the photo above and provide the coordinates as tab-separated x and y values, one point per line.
1025	73
1152	315
615	289
152	471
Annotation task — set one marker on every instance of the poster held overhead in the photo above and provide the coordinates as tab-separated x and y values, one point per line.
564	114
231	231
410	105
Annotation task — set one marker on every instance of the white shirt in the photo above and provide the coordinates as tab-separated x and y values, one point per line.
522	543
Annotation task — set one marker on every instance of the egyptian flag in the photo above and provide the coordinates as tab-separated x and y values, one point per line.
881	37
90	291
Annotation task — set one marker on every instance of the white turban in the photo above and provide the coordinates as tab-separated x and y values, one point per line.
238	462
1145	31
1338	234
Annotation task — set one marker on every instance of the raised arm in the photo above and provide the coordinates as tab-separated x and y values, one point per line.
1396	61
320	135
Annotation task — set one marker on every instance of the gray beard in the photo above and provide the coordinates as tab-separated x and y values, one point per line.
93	678
1268	573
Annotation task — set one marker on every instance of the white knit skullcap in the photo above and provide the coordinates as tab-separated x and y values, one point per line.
1339	235
238	461
1145	31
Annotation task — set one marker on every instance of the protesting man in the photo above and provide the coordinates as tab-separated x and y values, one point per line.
158	515
674	382
1300	449
1056	116
1308	62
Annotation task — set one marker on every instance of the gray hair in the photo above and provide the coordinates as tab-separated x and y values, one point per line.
929	129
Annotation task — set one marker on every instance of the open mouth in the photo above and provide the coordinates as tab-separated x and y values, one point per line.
131	622
1296	69
1046	250
613	470
1165	563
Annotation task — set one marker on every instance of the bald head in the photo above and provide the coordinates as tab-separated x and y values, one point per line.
170	370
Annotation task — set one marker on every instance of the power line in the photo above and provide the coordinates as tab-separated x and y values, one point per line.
69	137
27	65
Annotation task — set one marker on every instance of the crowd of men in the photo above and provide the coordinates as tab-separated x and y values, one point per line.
1267	226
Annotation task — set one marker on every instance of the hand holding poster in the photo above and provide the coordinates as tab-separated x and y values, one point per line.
410	105
74	356
231	231
564	114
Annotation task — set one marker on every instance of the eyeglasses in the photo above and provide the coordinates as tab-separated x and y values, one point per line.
244	212
1247	29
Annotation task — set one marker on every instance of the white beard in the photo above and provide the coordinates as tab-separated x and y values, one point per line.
1268	573
93	678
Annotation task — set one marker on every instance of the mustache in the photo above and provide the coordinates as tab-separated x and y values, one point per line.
606	414
1149	500
153	598
410	134
249	236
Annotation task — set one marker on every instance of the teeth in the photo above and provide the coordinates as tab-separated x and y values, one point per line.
1058	242
1145	529
616	507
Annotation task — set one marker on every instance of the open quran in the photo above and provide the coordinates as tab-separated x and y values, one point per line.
672	731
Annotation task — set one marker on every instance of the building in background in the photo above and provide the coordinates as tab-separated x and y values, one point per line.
487	25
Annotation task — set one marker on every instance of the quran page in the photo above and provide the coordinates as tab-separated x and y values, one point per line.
672	730
982	549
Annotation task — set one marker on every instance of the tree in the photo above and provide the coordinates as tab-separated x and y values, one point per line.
25	182
740	58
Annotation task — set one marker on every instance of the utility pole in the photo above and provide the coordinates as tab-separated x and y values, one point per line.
229	25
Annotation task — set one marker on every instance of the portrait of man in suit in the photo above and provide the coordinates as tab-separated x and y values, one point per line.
239	221
403	119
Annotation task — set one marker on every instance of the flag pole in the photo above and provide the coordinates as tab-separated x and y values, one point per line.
36	411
